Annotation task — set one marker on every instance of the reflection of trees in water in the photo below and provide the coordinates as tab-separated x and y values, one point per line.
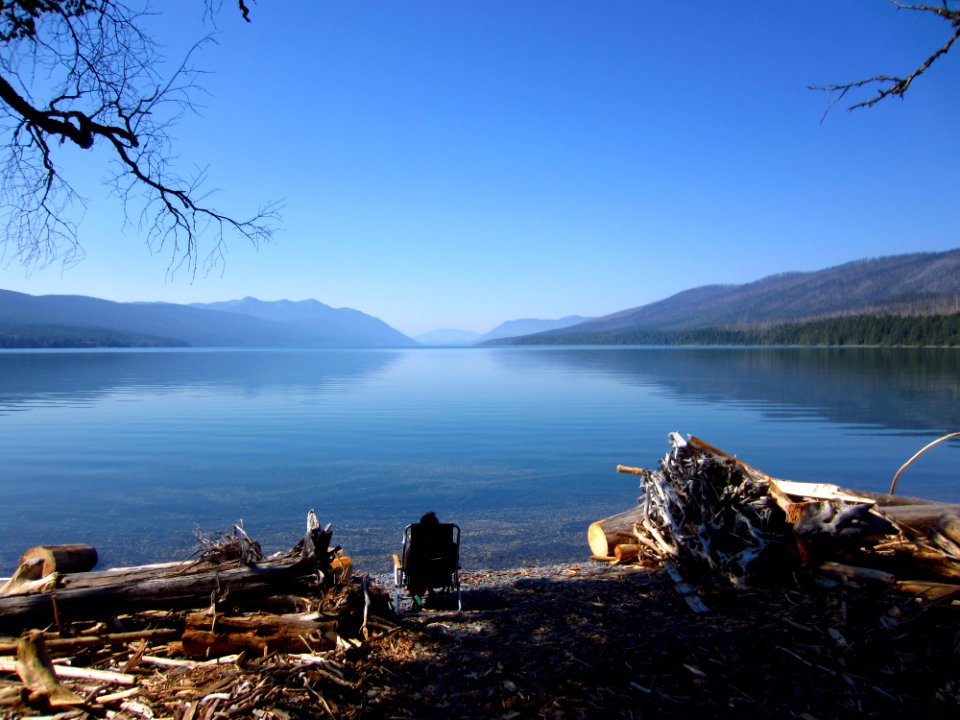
896	388
27	378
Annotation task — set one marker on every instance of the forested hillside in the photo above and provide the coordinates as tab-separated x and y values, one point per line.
876	330
63	336
812	305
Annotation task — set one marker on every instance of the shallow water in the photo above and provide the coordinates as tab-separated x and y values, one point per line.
133	451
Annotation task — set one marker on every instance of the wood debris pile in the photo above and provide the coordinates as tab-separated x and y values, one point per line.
719	519
228	633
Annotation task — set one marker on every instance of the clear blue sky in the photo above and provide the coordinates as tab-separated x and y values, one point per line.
459	164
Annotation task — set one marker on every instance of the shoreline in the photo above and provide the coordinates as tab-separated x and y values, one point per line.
584	640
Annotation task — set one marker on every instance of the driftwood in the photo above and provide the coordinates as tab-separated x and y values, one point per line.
714	515
705	509
36	671
81	603
918	520
228	572
77	673
280	620
603	536
74	558
626	553
207	635
27	579
68	646
948	525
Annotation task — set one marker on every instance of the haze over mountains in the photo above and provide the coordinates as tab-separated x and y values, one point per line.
921	283
511	328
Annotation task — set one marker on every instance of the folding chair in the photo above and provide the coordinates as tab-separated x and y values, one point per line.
430	561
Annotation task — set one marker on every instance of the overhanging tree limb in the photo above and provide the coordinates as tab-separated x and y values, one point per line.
892	85
101	73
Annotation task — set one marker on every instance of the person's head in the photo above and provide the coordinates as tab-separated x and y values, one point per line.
429	519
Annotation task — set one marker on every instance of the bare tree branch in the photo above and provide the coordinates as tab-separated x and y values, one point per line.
891	85
100	71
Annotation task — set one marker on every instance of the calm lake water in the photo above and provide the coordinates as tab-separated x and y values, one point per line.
133	451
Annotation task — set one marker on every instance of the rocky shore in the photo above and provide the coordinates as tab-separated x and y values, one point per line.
588	640
585	640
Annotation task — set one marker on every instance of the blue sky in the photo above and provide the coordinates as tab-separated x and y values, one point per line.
459	164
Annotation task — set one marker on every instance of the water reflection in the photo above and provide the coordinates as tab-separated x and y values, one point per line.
903	390
32	379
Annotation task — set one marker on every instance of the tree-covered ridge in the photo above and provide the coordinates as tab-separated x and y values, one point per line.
13	336
941	330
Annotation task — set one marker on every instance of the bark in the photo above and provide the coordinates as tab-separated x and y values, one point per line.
207	635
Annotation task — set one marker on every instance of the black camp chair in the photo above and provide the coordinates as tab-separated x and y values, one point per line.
431	561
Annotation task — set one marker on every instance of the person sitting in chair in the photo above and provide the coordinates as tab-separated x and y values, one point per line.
430	561
427	549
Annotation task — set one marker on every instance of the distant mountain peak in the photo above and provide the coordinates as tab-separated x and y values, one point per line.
529	326
314	318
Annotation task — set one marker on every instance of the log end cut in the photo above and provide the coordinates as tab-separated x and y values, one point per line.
74	558
603	536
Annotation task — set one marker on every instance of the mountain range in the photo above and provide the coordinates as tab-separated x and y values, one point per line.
919	283
78	321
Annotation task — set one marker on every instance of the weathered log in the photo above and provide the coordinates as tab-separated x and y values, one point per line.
207	635
604	535
920	520
73	558
135	593
139	573
626	553
858	573
71	646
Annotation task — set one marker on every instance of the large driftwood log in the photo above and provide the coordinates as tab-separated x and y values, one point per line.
228	571
207	635
603	536
134	594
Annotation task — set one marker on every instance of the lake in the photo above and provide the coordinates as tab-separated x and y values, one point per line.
134	451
